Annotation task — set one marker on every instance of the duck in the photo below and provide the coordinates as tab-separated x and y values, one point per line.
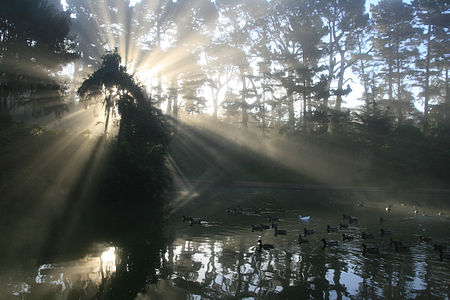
329	243
352	220
301	240
343	226
370	249
331	229
443	255
185	218
388	208
395	243
280	231
308	231
401	248
263	226
264	246
385	232
237	209
273	219
256	228
440	213
438	247
359	204
304	218
346	237
425	239
367	236
195	221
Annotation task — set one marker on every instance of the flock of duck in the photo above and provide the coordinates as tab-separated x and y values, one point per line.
347	220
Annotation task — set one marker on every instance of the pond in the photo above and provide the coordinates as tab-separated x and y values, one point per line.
220	258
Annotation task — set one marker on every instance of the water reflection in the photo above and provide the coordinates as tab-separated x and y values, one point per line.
222	262
73	279
108	261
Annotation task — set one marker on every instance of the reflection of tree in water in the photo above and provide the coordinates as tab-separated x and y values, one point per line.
235	270
394	276
136	268
228	268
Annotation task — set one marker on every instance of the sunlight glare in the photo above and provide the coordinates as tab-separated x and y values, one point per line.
108	260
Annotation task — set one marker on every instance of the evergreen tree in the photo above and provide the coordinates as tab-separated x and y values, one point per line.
344	19
396	46
431	15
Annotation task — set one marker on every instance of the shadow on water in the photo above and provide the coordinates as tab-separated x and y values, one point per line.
110	254
101	239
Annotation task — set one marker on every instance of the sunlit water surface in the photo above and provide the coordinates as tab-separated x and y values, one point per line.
219	258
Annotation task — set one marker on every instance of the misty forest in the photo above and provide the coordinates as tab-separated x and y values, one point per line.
224	149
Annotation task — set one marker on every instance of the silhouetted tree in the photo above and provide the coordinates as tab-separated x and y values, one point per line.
138	163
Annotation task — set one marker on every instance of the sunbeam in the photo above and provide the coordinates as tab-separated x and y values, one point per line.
191	149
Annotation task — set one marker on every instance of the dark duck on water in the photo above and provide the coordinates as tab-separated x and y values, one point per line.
263	246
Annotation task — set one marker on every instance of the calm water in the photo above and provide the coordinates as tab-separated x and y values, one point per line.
219	259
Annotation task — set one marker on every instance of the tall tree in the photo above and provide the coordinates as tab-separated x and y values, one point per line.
432	15
217	70
158	30
343	18
117	89
195	22
289	36
365	64
395	46
236	22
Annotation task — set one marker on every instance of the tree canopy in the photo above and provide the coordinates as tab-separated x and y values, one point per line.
34	44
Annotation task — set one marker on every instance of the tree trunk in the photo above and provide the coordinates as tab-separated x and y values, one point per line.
158	44
5	117
427	82
390	77
338	103
108	111
365	84
399	89
215	97
305	123
169	106
175	106
332	63
291	111
263	114
447	91
243	101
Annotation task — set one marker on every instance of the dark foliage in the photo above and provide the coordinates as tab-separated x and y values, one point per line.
34	43
136	172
